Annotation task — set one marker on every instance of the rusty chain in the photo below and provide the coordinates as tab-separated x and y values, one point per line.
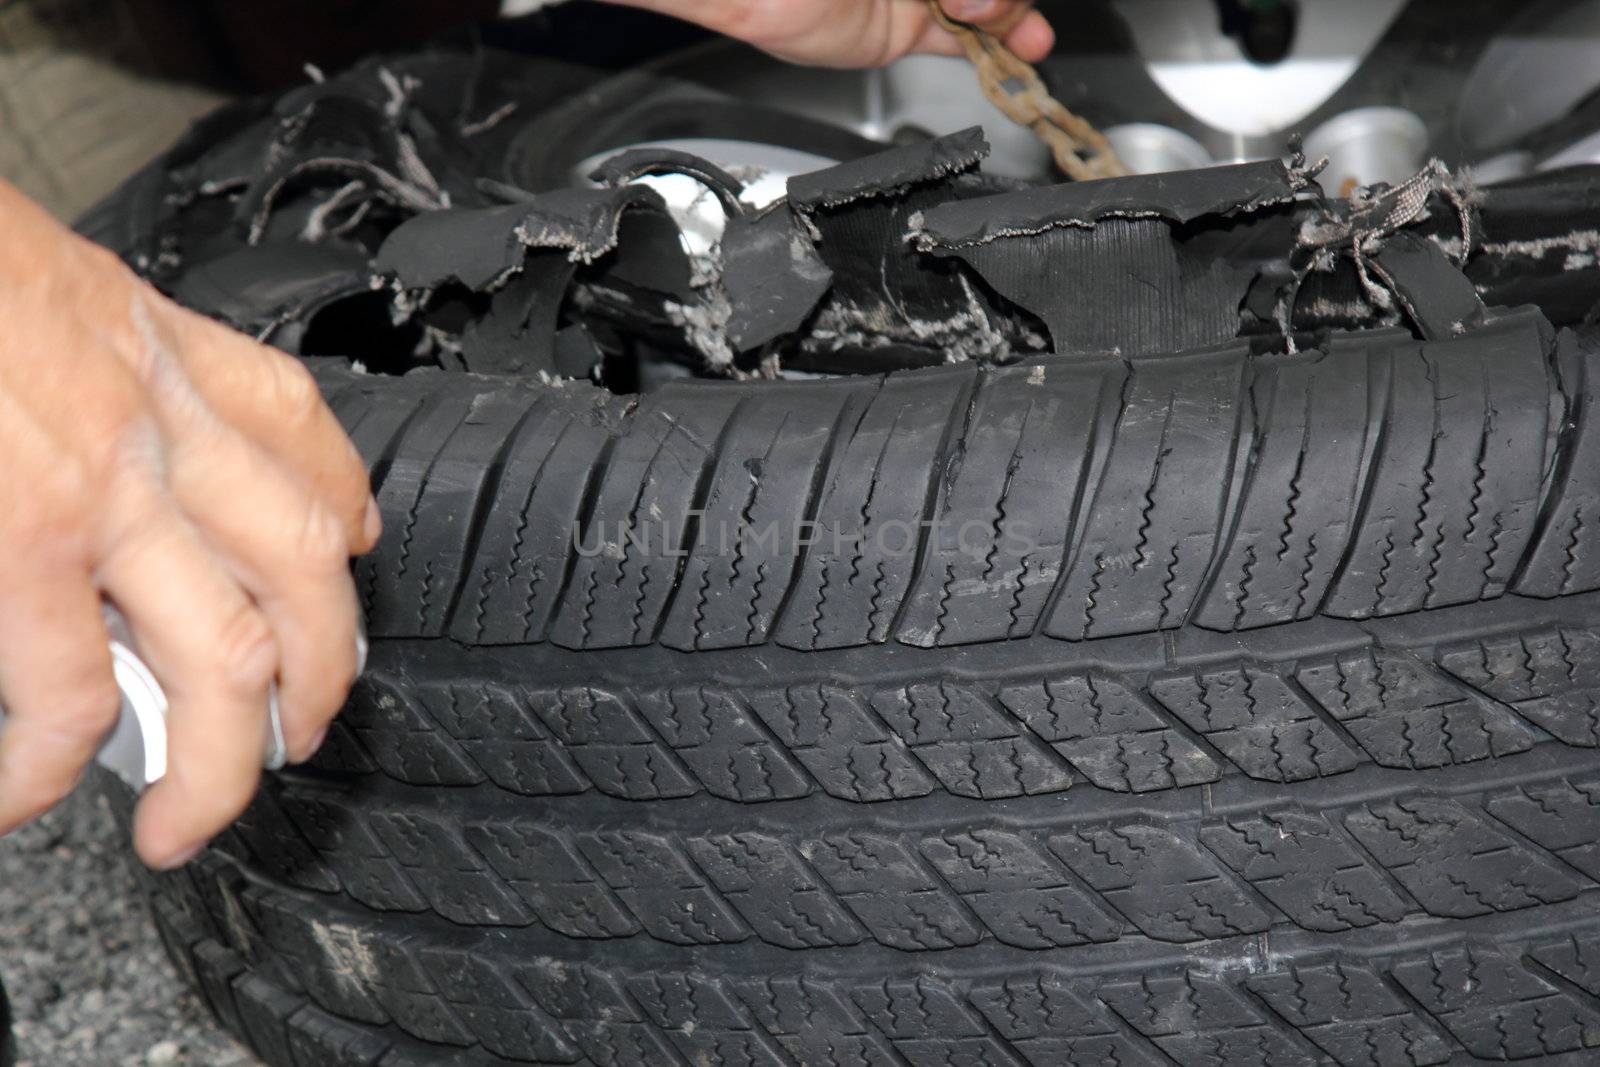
1081	151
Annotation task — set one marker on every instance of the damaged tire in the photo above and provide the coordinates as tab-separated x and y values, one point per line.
1143	687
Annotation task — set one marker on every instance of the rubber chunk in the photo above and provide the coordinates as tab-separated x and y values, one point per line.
481	248
518	334
1178	197
1126	285
773	276
885	292
1101	264
255	288
890	172
1437	297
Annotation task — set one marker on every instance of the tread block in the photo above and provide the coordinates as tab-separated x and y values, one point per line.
1197	1019
1407	713
1154	521
1109	733
331	959
1350	1013
1495	1008
930	1025
495	730
1258	722
401	738
658	882
272	843
1017	890
519	566
815	1022
1551	677
626	563
396	574
1456	484
969	745
771	888
489	1002
894	895
610	744
1304	867
1047	1023
216	967
602	1017
706	1023
719	741
1007	500
848	752
433	554
1562	816
1575	958
1566	556
406	990
266	1012
317	1039
1456	863
549	873
341	753
444	868
334	827
756	508
1294	520
1165	886
870	512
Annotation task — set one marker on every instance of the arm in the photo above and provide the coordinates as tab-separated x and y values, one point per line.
859	33
196	479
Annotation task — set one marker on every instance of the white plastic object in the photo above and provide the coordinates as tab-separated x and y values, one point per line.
136	749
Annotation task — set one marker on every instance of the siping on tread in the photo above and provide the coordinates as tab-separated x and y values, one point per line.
1137	715
1073	498
1479	991
1368	849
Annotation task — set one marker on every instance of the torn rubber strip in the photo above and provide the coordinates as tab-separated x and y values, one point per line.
1184	196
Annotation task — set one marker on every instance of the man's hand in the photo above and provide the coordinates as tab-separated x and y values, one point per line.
196	479
860	33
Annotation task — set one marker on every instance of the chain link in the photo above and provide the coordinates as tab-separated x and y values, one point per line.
1081	151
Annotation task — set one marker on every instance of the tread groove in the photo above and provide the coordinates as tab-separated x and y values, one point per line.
1373	452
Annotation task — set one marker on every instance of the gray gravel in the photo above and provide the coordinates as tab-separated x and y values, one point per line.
89	981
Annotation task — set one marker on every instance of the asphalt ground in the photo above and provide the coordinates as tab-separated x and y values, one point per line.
89	982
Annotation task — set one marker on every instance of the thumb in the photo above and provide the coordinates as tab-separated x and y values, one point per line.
998	17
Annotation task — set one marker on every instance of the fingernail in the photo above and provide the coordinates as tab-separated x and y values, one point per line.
373	524
181	859
968	10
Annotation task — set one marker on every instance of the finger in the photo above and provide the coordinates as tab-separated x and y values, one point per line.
215	656
1033	39
273	400
1025	31
290	554
998	17
938	41
56	683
